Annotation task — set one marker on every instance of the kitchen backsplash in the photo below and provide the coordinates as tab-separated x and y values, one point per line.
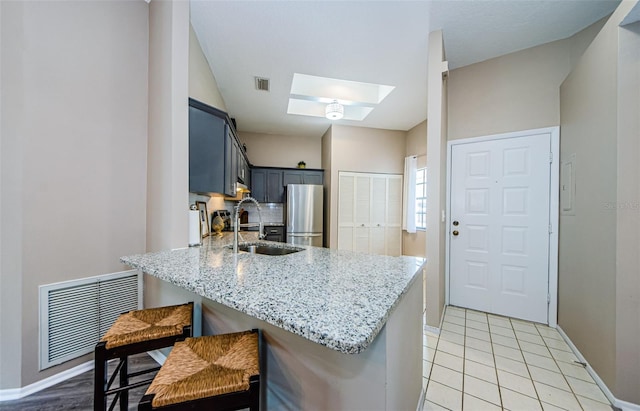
271	213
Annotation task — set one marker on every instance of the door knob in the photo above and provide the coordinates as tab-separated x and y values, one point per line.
455	232
456	223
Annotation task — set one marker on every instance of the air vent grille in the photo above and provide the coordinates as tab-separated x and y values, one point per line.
262	83
75	314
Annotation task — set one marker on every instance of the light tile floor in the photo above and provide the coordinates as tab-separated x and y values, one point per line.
487	362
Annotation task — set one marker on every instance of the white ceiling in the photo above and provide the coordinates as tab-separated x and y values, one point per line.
382	42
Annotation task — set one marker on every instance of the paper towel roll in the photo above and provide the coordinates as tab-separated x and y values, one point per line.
194	228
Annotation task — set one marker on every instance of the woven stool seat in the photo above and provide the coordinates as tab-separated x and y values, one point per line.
204	367
149	324
133	333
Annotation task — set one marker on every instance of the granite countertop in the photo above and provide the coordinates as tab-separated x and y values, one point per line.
340	299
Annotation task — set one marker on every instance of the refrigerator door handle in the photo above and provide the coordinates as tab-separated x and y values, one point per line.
304	235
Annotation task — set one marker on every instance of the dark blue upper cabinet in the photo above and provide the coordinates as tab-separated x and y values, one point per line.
298	176
206	152
214	151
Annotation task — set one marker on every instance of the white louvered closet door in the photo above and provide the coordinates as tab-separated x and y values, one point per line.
370	213
378	215
346	204
362	214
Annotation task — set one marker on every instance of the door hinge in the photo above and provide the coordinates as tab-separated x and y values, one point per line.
550	229
548	298
550	157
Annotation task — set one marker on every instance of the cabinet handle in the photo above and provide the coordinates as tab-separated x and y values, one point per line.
362	225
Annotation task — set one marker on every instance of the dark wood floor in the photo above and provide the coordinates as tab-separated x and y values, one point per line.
77	393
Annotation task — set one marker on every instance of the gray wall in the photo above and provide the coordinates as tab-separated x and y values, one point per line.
598	281
73	147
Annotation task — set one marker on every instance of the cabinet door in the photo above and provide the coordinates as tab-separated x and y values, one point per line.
206	152
247	173
292	177
275	188
231	167
240	166
313	177
259	184
275	234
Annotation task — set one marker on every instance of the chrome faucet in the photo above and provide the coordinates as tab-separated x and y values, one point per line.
237	225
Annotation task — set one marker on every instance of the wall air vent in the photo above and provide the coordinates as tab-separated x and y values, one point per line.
262	83
75	314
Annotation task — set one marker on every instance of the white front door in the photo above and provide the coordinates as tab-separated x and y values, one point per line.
499	226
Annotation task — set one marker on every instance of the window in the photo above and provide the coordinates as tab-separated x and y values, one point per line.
421	199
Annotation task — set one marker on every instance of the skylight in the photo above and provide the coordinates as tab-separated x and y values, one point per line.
310	95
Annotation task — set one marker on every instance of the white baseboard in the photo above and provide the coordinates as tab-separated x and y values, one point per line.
17	393
157	356
623	405
421	400
433	330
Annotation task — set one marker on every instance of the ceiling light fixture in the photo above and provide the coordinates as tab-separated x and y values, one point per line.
334	111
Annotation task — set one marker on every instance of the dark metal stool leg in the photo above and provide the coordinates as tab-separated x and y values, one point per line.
100	379
124	381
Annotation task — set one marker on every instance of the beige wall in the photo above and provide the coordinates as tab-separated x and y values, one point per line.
11	215
518	91
273	150
436	158
628	216
203	87
74	135
202	84
599	245
415	244
384	154
168	150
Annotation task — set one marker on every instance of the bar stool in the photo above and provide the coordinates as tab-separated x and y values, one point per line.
220	372
133	333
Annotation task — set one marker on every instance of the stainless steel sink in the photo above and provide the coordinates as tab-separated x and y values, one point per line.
267	249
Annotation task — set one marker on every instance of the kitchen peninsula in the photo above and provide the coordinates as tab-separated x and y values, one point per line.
343	330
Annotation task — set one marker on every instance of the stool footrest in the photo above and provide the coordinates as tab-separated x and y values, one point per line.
147	371
128	387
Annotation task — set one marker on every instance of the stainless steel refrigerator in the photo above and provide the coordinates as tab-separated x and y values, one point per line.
304	214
